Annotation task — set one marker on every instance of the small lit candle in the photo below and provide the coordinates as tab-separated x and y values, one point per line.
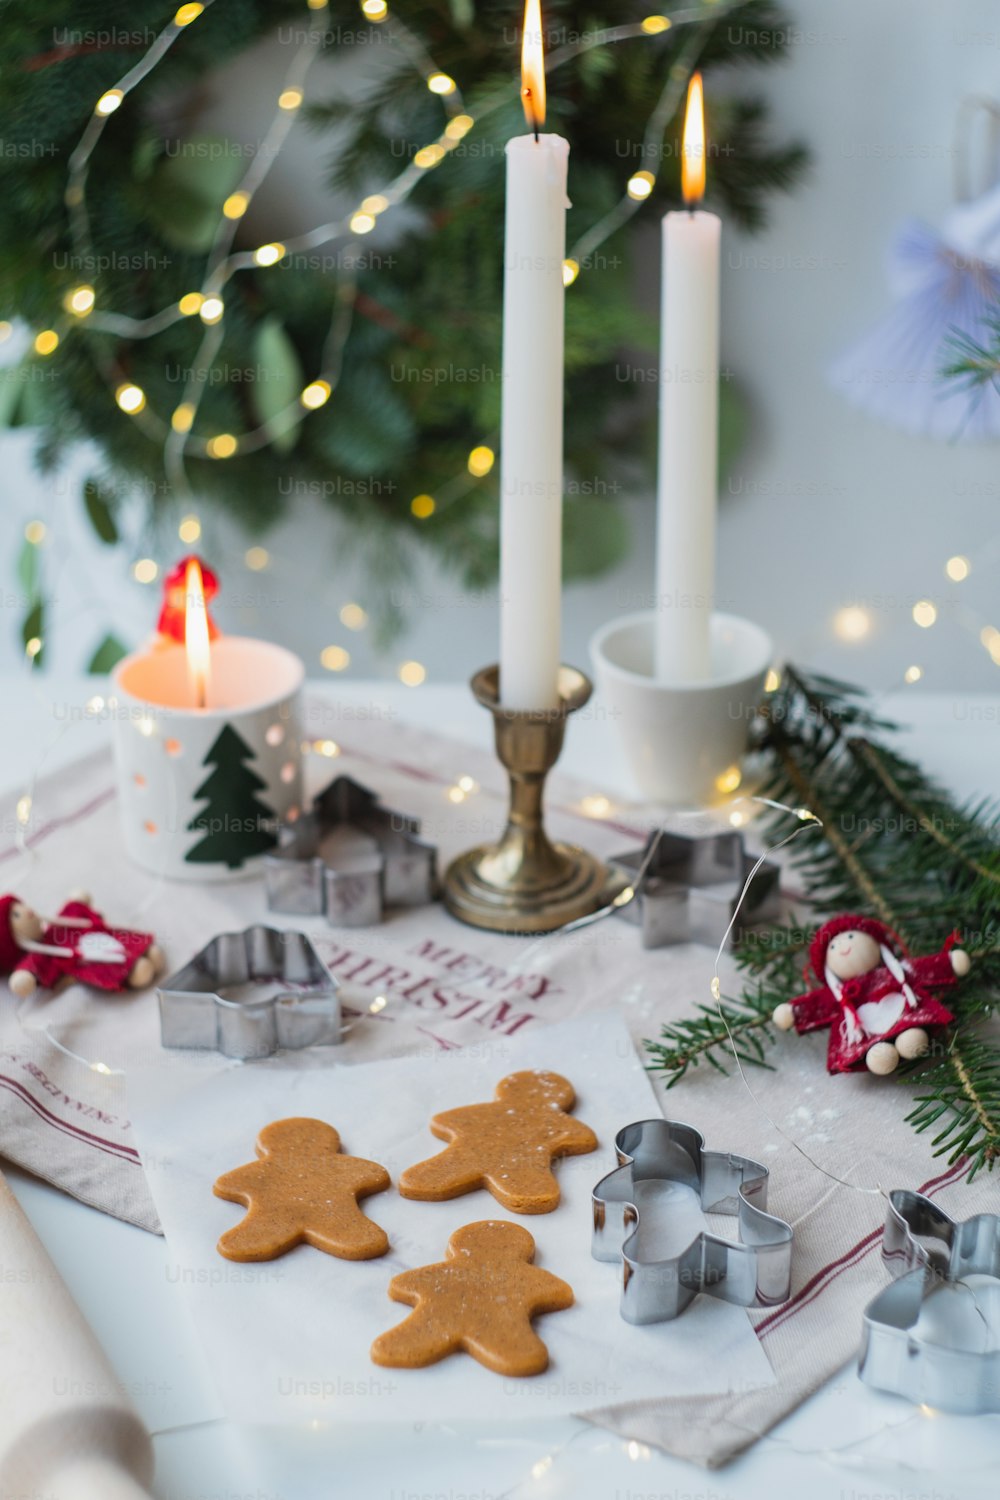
687	487
207	744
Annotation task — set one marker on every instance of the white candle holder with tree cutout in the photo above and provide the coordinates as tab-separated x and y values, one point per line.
201	790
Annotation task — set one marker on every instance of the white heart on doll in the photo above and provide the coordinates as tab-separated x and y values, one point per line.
100	948
879	1016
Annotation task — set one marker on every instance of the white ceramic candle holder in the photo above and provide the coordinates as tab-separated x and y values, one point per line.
201	789
682	739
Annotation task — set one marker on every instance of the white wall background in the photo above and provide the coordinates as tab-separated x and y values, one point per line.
826	507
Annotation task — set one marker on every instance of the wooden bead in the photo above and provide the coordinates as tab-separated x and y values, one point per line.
882	1059
912	1043
142	973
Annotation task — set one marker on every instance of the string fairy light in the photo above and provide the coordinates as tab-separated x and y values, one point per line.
353	616
79	301
852	623
179	440
807	819
480	461
372	1006
28	828
535	954
25	813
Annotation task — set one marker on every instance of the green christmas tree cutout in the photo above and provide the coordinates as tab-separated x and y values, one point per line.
235	821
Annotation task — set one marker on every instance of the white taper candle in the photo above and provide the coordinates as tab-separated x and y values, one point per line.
687	486
531	440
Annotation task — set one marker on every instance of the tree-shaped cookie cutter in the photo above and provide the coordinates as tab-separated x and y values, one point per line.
753	1273
247	994
894	1356
351	887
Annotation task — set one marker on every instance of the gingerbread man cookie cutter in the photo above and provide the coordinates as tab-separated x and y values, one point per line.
754	1272
951	1377
247	994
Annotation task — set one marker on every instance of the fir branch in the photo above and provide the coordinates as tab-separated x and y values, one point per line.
895	843
813	802
875	758
963	1095
404	415
741	1027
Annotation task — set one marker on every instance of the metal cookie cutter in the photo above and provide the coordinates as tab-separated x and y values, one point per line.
754	1273
348	858
691	886
954	1376
248	993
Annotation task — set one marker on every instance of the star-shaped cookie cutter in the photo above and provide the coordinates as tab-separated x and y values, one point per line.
348	858
753	1273
894	1356
688	888
247	994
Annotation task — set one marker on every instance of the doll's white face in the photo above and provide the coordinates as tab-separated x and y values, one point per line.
852	953
25	924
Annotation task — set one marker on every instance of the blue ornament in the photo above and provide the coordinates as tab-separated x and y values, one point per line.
946	291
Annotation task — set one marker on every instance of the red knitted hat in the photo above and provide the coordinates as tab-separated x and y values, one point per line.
823	938
10	953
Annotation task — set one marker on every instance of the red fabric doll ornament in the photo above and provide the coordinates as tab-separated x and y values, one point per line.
76	946
879	1003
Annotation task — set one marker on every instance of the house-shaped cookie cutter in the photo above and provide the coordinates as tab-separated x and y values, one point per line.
946	1374
381	860
247	994
688	887
756	1272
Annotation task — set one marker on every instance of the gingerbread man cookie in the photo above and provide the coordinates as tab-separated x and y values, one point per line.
482	1299
507	1146
302	1190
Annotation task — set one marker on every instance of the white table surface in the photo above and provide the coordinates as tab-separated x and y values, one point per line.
845	1443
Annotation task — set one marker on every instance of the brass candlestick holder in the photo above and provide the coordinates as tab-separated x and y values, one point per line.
524	883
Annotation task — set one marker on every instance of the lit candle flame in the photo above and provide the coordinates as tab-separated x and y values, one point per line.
693	151
196	633
533	66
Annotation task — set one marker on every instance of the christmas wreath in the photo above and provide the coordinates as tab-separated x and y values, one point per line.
128	247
